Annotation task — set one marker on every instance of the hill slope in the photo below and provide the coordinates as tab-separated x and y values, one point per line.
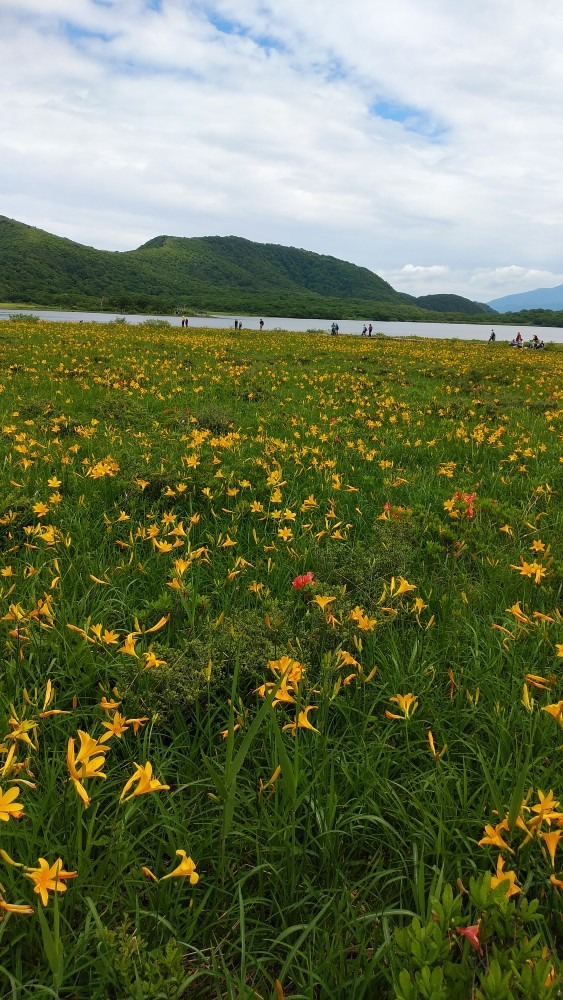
453	303
210	273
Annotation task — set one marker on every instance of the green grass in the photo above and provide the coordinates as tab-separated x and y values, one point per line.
412	478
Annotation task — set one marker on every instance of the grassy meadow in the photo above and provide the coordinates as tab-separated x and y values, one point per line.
281	696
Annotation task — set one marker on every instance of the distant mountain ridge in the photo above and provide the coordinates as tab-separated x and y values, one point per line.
537	298
208	273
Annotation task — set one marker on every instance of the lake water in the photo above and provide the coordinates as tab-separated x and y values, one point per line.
441	331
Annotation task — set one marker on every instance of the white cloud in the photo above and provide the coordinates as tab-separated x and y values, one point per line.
481	284
121	122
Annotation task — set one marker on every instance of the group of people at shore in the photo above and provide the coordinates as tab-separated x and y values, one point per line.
366	332
534	344
238	325
518	341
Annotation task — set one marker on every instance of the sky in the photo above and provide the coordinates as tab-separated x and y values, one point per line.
421	139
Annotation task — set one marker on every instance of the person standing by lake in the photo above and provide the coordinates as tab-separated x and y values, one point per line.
261	325
493	337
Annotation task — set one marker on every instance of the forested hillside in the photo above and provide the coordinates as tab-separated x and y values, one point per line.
203	274
453	303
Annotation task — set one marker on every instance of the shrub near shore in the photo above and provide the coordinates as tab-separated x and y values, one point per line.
282	634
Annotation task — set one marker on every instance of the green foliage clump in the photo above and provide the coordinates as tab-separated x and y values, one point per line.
205	664
136	971
492	954
362	568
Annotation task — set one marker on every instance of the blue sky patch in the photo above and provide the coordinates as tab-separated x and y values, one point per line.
224	24
76	33
335	70
412	119
228	26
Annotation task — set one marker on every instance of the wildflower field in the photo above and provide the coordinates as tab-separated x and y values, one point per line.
282	634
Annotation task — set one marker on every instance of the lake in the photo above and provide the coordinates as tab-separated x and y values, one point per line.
441	331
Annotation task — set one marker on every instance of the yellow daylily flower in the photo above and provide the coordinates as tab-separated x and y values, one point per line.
404	587
302	721
551	841
437	756
186	869
145	783
502	876
114	728
151	660
493	836
555	710
407	703
49	878
534	569
8	805
128	647
21	908
322	602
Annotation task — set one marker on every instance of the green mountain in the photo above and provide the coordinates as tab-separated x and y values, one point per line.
211	273
453	303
